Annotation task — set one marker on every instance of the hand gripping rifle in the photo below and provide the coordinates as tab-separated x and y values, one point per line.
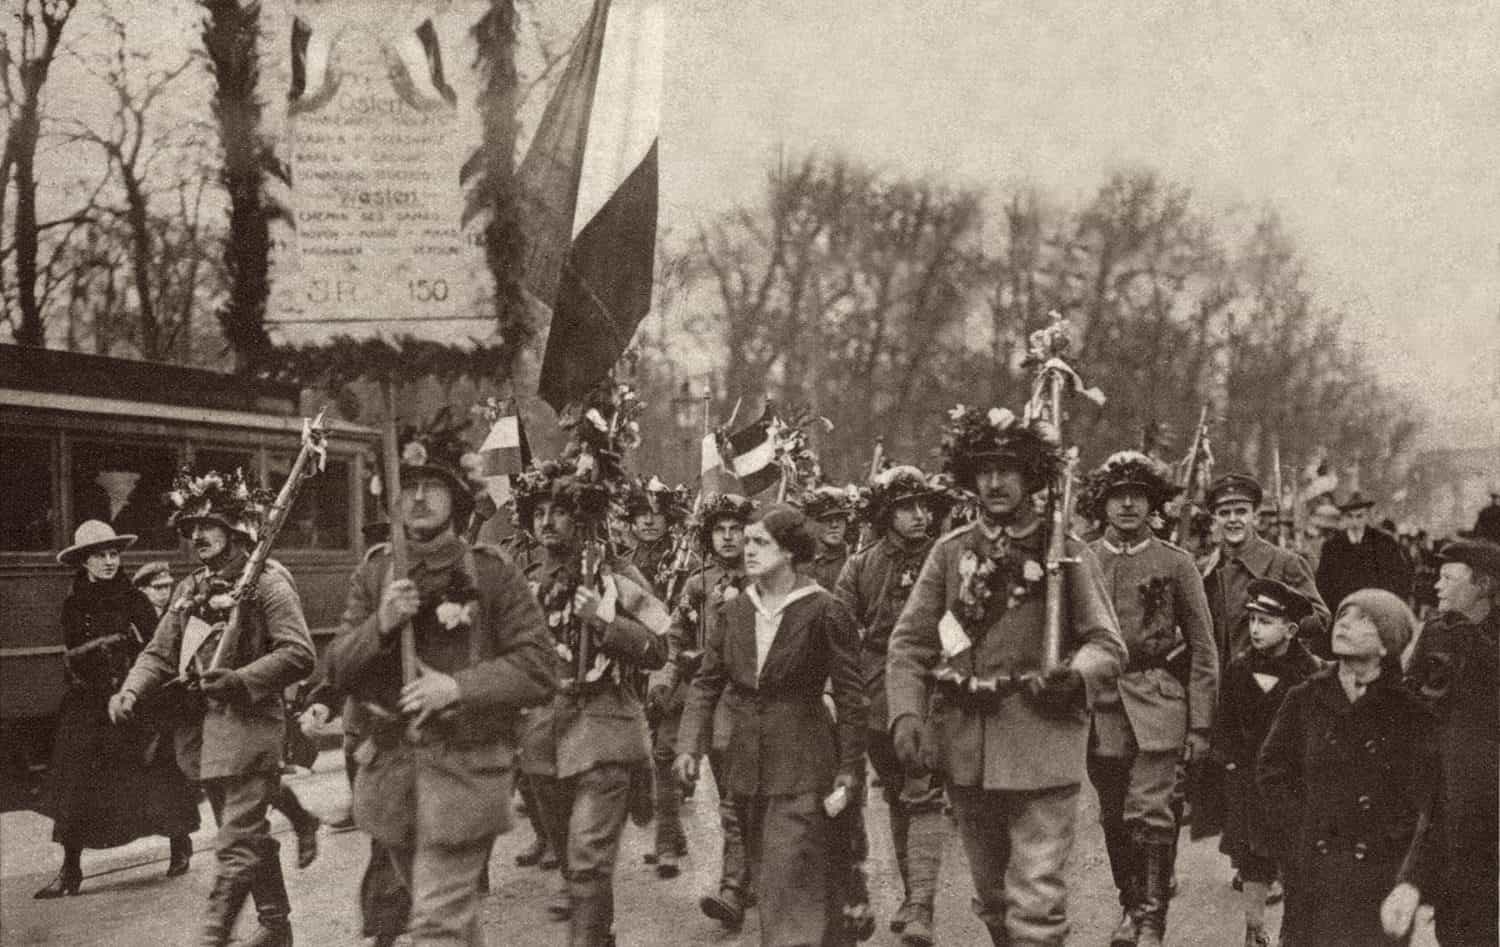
310	461
1044	410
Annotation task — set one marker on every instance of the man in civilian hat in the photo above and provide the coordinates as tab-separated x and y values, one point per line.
234	749
434	783
1487	523
1361	556
876	583
1160	710
1242	556
1455	666
969	695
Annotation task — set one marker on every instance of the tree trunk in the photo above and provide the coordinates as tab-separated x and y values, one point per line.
25	134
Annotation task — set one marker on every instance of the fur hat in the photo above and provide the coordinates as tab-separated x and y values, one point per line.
93	535
225	499
973	436
1127	468
1393	620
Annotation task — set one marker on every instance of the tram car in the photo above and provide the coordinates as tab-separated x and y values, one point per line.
88	437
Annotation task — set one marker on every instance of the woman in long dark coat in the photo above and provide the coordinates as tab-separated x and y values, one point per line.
104	790
783	638
1350	758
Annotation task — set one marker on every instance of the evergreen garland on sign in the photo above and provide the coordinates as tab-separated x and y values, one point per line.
231	33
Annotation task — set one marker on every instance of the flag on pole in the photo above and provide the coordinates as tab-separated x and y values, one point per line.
754	447
504	450
589	196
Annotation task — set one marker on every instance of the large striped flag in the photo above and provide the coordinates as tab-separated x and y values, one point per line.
589	192
751	465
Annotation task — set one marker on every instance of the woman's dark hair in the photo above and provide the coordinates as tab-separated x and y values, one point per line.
789	527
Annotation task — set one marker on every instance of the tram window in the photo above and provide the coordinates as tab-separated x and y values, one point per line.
226	460
320	517
123	485
28	511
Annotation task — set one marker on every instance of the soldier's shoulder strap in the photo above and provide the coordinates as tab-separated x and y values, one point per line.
1173	547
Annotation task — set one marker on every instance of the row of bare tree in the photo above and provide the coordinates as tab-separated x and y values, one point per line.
880	302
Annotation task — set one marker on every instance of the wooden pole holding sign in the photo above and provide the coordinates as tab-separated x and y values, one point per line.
392	456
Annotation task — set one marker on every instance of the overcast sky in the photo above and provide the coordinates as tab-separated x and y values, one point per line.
1373	126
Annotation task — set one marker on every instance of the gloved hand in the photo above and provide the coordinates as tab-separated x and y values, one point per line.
227	687
906	736
1057	693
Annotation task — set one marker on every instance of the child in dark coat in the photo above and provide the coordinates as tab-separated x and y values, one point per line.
1253	689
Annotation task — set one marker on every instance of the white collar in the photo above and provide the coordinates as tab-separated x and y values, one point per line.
800	592
1125	550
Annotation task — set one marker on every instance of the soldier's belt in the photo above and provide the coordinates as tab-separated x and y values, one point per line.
973	692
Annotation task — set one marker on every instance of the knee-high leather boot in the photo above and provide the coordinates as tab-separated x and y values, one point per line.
272	906
224	903
1156	881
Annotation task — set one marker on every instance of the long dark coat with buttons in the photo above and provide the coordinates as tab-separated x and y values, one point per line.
1354	776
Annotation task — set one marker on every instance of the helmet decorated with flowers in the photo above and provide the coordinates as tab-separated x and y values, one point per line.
718	507
654	496
974	436
827	500
1128	469
225	499
897	485
589	475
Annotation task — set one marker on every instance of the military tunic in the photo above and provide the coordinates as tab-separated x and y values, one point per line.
1013	771
1226	579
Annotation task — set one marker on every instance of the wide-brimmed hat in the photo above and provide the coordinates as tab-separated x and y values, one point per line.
1127	469
973	437
1356	501
94	535
226	499
1235	486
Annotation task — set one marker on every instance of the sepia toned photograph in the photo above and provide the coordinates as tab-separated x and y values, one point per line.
654	472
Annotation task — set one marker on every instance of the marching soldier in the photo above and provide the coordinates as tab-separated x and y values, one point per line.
586	747
832	509
875	584
721	536
1241	557
968	694
656	513
234	747
1161	708
434	780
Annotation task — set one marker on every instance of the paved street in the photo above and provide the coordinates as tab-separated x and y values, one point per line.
126	901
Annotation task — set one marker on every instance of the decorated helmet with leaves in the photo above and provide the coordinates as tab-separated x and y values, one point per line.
894	486
828	500
1122	470
722	506
654	496
227	499
973	436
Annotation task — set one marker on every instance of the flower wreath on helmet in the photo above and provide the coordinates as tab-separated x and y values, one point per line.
227	499
997	576
1127	468
895	486
720	506
654	496
828	500
972	436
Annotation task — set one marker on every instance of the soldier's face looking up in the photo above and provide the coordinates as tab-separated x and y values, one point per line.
1461	589
728	540
1127	509
210	540
649	526
1001	488
1268	632
553	524
102	564
764	556
835	531
911	520
426	505
1235	520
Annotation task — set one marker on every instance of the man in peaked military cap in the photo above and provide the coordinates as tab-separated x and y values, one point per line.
1242	556
434	781
967	691
1161	708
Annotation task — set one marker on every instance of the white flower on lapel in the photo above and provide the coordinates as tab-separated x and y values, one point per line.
454	615
968	564
1032	571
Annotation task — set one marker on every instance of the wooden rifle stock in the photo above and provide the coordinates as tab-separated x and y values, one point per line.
1183	534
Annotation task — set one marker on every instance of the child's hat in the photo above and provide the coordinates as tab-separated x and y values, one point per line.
1277	599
